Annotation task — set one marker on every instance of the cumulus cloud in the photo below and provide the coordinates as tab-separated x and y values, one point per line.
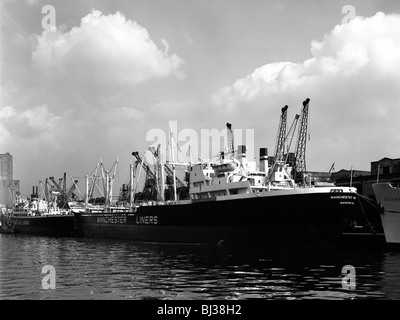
29	123
105	50
362	47
353	81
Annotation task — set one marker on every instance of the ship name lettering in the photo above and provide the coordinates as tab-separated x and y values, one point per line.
146	219
22	223
342	197
112	219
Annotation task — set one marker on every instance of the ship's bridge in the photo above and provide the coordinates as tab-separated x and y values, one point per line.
256	178
217	179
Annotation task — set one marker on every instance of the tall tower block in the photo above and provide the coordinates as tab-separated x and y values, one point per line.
8	186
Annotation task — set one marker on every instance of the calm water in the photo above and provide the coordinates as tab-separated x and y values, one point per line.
114	269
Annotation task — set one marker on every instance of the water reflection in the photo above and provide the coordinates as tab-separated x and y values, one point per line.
114	269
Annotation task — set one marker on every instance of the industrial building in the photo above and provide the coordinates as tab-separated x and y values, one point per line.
8	186
384	170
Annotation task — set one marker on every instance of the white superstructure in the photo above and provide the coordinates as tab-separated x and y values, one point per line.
388	197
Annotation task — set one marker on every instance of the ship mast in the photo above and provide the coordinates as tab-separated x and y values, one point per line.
173	162
132	193
108	179
107	199
93	183
159	172
161	178
87	191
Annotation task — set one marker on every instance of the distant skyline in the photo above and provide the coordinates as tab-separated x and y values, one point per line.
111	72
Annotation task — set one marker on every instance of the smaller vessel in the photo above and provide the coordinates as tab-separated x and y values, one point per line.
5	225
40	217
388	197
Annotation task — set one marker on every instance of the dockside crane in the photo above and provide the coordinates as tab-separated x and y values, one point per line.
61	200
281	137
231	142
47	188
300	153
70	192
145	166
290	135
159	170
64	195
149	191
58	188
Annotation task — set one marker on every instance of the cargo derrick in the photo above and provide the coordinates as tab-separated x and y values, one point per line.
150	186
182	189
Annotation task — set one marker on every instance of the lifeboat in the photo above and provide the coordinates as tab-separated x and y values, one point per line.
226	167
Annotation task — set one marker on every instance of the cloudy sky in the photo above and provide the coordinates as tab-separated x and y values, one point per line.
98	78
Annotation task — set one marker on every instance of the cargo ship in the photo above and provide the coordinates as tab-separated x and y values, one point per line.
37	216
306	216
5	227
388	197
229	203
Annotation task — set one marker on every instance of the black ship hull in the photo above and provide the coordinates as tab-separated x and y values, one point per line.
282	218
57	225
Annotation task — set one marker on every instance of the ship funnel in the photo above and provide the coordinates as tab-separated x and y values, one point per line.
264	160
34	194
242	155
